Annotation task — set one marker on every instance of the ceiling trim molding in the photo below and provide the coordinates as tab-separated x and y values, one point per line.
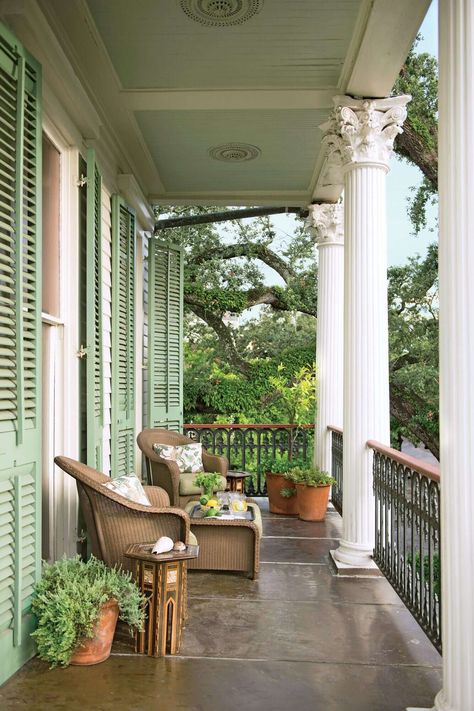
227	99
247	198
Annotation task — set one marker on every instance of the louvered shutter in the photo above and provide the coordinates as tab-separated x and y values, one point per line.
94	360
165	336
20	347
123	338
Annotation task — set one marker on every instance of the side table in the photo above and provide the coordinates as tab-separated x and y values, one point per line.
236	480
163	579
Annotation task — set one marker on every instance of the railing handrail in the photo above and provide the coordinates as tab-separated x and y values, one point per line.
246	426
335	428
428	470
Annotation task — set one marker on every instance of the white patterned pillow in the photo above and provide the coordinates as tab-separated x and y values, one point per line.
188	457
130	487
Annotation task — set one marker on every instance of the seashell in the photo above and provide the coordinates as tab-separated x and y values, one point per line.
179	546
163	545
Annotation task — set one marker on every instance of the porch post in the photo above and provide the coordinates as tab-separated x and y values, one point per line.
360	137
326	225
456	300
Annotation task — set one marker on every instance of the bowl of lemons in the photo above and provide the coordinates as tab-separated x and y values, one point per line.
210	506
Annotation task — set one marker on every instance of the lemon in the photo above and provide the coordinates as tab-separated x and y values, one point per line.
212	503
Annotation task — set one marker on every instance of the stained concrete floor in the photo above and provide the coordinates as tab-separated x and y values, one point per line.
297	638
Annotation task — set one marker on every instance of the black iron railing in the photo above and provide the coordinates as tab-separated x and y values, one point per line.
407	533
247	447
337	470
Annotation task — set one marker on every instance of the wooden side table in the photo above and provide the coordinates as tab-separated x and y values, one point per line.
236	480
163	579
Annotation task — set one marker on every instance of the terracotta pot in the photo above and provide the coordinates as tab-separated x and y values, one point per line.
312	502
97	649
278	503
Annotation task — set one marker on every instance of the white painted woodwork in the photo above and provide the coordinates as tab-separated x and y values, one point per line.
326	222
456	300
359	137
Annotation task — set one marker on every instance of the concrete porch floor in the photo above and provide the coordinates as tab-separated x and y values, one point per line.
297	638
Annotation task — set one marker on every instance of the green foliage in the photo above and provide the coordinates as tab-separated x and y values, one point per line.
67	603
419	78
281	465
207	481
426	569
297	392
310	476
287	492
413	330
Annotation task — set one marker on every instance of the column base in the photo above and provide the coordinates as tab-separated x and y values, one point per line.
368	570
354	554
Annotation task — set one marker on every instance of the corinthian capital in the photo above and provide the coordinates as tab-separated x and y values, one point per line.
363	130
326	223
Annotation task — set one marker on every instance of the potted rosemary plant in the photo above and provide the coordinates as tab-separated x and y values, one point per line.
77	605
312	490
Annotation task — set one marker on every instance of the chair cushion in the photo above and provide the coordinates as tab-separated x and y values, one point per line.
187	487
188	457
130	487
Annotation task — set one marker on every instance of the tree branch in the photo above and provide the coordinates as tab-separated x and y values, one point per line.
404	411
253	251
225	336
410	144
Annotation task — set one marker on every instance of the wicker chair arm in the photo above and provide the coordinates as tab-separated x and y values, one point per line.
215	463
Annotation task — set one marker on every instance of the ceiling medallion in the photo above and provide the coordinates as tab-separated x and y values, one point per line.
221	13
234	152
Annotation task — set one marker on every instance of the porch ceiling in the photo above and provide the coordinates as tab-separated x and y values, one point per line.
172	88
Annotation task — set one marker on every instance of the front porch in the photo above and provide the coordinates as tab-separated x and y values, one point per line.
298	637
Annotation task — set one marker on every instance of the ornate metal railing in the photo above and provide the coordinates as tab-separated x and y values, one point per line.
337	470
248	446
407	533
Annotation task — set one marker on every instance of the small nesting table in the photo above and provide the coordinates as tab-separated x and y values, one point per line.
236	480
163	579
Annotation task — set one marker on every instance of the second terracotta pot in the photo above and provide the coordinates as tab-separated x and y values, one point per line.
280	504
312	502
97	649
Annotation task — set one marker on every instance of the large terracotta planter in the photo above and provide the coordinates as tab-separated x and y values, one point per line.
312	502
97	649
278	503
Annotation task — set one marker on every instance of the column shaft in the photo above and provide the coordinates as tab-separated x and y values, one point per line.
329	349
456	298
366	388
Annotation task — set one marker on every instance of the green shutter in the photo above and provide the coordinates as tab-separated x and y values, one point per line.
94	375
123	338
165	336
20	347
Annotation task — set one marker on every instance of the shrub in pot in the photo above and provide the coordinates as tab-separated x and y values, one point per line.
312	490
281	491
77	605
208	482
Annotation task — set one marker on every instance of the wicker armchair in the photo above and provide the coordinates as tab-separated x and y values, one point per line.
164	473
114	522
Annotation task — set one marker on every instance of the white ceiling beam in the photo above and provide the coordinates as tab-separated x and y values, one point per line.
215	100
390	29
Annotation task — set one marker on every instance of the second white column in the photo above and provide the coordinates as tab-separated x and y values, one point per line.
360	137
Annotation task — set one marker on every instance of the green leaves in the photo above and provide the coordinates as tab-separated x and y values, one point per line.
68	599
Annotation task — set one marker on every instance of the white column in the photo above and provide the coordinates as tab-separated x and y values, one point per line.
360	137
456	300
326	224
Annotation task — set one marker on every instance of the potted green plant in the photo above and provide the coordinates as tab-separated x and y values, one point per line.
312	490
208	482
281	491
77	604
